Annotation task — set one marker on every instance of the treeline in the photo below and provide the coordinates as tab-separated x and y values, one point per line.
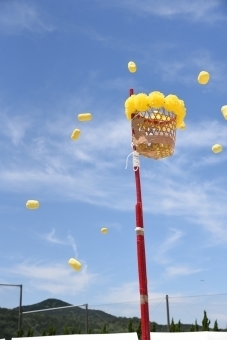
131	328
71	330
68	330
195	327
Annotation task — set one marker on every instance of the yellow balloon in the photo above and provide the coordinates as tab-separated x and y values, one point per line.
217	148
32	204
76	265
104	230
224	111
76	134
132	67
83	117
203	77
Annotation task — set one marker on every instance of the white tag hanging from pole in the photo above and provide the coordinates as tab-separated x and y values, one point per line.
136	161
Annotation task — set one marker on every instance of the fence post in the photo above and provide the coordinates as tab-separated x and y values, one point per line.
86	318
167	310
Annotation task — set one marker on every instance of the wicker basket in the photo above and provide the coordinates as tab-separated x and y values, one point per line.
154	133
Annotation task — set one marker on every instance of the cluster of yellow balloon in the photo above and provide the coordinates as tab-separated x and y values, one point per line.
82	117
133	68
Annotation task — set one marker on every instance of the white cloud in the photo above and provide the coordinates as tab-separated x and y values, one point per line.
50	237
201	203
181	270
16	17
124	299
185	69
171	242
189	308
73	244
14	127
8	294
56	279
194	10
110	41
54	162
218	316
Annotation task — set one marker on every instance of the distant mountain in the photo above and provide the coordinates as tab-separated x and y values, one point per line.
49	303
66	319
74	319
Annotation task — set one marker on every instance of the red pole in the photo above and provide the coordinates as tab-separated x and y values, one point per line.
141	255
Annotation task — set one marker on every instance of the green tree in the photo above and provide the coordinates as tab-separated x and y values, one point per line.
44	333
139	331
130	326
215	329
196	326
79	331
66	331
153	327
178	327
20	333
29	332
192	328
205	322
52	330
172	326
89	331
104	330
73	330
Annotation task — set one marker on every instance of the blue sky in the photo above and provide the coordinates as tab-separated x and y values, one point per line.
62	58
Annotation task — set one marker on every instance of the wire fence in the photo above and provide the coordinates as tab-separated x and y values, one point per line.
186	309
9	314
191	308
53	321
115	317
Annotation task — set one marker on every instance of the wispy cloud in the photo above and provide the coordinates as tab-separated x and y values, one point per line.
51	237
135	47
73	244
185	69
106	40
54	278
191	308
16	17
201	137
54	162
124	299
69	240
162	252
14	127
195	10
181	270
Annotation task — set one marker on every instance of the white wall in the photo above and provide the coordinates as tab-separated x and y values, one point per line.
116	336
190	336
133	336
